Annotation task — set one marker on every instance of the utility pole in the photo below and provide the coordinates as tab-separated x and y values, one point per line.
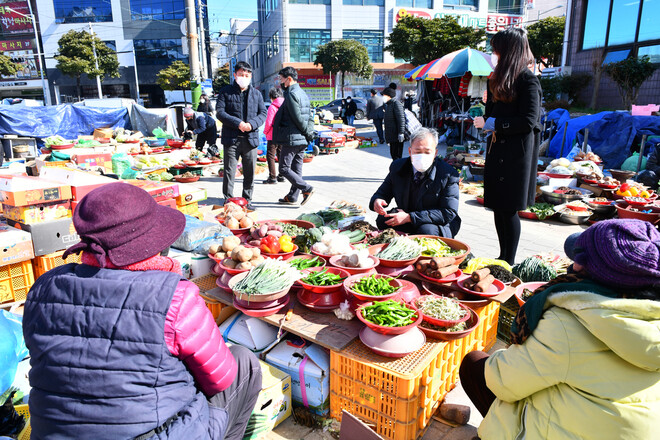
193	53
96	62
137	81
202	41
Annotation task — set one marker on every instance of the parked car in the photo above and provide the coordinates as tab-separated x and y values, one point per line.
336	104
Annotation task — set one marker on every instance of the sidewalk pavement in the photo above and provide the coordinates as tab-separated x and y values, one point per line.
354	175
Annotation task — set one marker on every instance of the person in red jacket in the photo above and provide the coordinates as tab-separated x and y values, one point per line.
273	152
144	357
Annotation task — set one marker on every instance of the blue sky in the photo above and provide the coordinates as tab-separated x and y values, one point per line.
220	11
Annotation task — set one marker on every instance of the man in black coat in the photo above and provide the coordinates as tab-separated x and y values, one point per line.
376	112
424	188
242	111
351	110
203	125
395	123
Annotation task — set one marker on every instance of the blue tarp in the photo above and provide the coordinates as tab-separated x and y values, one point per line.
574	125
68	121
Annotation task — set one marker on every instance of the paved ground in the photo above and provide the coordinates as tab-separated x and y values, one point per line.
354	175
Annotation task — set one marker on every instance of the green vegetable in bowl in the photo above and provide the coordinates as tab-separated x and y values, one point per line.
389	314
269	277
401	248
433	247
322	278
542	210
374	286
305	263
454	328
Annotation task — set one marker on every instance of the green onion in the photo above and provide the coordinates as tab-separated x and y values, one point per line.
269	277
401	248
433	247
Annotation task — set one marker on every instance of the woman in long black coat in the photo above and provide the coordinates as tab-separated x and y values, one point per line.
512	117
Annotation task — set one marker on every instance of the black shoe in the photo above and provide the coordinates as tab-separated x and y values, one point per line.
249	207
306	196
280	178
270	181
286	200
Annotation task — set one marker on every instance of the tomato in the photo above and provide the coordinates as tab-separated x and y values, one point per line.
624	187
270	245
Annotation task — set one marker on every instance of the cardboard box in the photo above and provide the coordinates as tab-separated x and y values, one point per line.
102	133
15	245
289	357
352	144
158	190
94	161
252	333
38	213
273	404
81	182
171	203
188	196
25	190
50	236
191	209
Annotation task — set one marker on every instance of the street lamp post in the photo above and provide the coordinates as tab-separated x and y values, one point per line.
42	65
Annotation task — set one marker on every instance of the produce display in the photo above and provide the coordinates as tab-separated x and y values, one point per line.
480	280
568	191
633	189
434	247
55	140
269	277
354	236
236	216
363	226
290	229
526	294
383	237
357	258
587	156
322	278
306	263
542	210
501	273
401	248
347	209
454	328
441	307
236	256
263	230
327	217
389	313
332	243
374	286
437	267
566	209
534	269
272	244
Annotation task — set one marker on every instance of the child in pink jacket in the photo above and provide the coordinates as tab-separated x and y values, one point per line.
273	152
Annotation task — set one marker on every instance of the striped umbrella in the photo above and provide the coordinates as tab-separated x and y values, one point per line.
458	63
413	73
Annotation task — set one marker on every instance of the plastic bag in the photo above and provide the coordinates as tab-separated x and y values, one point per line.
576	149
199	235
161	134
12	348
630	164
120	163
479	263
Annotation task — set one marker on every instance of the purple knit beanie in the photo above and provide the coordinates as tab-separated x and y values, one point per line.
621	253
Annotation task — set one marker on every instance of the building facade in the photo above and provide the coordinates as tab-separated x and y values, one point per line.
147	35
291	30
603	31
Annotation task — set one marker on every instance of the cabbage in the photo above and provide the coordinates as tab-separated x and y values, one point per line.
560	170
313	218
561	162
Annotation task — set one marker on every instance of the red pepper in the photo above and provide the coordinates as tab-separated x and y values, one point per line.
270	245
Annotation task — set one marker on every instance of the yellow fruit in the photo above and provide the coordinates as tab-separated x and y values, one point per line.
626	194
645	194
634	191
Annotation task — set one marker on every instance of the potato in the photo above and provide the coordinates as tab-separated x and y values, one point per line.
246	222
257	260
230	263
220	255
245	254
232	223
253	215
229	243
238	215
256	252
214	249
236	251
245	265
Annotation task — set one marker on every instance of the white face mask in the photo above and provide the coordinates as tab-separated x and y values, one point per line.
243	82
494	59
422	162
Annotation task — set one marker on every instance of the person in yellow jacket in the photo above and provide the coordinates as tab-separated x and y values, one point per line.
585	357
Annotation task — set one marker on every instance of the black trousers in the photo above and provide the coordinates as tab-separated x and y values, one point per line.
210	137
241	396
242	148
378	123
472	378
507	225
396	150
291	164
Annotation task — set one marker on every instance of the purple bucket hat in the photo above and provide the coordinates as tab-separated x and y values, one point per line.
620	253
124	224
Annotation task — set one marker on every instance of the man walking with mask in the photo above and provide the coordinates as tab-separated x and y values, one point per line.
293	129
424	188
376	112
351	110
395	123
242	111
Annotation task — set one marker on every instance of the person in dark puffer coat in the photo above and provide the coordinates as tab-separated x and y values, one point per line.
121	346
395	123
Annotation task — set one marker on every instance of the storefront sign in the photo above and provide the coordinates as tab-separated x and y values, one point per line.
11	20
316	81
319	88
11	45
319	95
23	53
491	22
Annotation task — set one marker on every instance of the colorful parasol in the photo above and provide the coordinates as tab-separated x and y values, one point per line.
454	65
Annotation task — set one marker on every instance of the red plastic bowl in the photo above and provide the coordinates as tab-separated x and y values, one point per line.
606	186
495	289
636	203
383	330
324	256
320	303
186	179
308	257
449	279
348	283
231	271
442	322
590	181
324	289
175	143
471	324
334	261
531	286
260	313
285	255
375	249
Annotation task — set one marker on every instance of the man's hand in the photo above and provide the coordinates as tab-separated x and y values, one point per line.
379	206
398	218
479	122
402	138
244	127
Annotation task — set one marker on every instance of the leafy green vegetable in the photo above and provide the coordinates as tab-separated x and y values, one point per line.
542	210
313	218
433	247
534	269
388	314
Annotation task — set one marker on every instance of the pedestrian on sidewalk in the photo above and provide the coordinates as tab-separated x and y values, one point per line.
204	105
351	110
242	111
203	125
395	123
513	121
273	151
342	111
376	112
293	129
584	361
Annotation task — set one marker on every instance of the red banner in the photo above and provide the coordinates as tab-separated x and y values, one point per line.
12	22
316	81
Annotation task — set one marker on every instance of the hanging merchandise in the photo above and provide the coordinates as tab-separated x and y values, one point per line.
463	86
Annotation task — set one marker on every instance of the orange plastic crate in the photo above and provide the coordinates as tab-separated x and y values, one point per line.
486	334
15	281
219	310
47	262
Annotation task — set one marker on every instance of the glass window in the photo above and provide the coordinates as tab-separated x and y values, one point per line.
595	25
652	51
428	4
624	22
365	2
505	6
473	3
648	27
276	43
82	11
616	56
303	43
372	40
161	52
112	45
311	2
158	9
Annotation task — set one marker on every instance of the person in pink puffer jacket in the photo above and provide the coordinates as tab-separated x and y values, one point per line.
144	357
273	152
